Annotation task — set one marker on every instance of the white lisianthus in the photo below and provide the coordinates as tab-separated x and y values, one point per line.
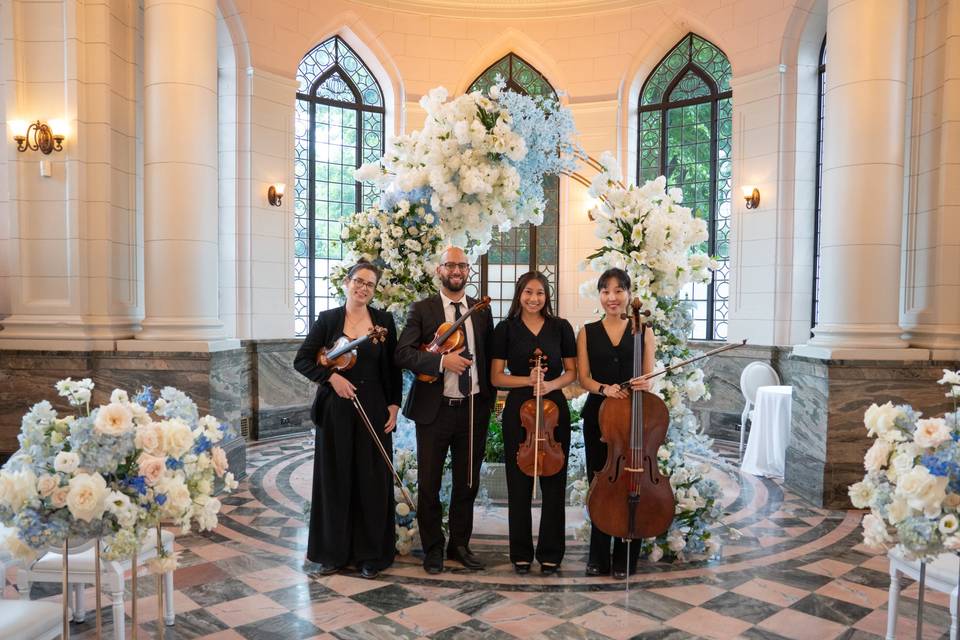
87	495
17	488
931	432
119	396
229	483
862	494
66	462
948	524
877	456
950	377
880	419
113	420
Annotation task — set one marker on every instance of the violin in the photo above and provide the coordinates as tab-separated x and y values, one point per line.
629	498
342	355
539	454
449	337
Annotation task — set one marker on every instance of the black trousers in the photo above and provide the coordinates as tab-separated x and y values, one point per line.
448	432
552	490
596	454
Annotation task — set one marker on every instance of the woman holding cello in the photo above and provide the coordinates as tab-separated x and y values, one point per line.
605	358
529	334
352	513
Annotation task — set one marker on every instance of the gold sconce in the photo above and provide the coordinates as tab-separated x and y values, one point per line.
752	196
275	194
39	136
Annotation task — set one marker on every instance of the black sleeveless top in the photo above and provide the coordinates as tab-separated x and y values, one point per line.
609	364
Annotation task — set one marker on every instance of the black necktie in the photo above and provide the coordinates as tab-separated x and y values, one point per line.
464	382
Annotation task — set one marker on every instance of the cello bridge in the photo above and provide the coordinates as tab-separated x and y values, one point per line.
634	469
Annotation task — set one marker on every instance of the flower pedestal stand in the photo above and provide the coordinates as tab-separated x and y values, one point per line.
942	574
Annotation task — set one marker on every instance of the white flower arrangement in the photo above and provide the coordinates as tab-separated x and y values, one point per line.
912	481
478	162
647	232
112	472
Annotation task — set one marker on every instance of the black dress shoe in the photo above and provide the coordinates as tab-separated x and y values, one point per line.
596	570
464	556
549	568
326	569
368	571
619	574
433	563
522	568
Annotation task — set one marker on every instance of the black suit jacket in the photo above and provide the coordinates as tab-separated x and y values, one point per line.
424	319
323	333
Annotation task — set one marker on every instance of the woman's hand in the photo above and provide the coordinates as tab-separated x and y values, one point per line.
614	391
641	384
536	375
392	420
546	387
343	387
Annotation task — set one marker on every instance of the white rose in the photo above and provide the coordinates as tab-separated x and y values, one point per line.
952	543
656	553
17	488
931	432
177	438
47	484
898	510
149	438
87	496
113	420
119	396
403	509
877	456
17	548
922	490
861	494
59	497
879	419
66	462
948	524
177	496
875	531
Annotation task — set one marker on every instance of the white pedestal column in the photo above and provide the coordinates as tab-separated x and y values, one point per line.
863	183
181	244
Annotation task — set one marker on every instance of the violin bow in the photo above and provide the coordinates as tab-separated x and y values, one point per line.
470	431
660	372
536	425
383	451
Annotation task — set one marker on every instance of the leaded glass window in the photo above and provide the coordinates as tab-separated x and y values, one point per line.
529	247
339	125
685	126
818	202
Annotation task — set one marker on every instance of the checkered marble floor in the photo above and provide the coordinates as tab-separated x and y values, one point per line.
797	572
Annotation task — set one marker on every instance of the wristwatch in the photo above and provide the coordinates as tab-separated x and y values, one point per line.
600	390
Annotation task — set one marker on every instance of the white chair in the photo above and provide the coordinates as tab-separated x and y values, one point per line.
941	576
754	376
48	569
26	620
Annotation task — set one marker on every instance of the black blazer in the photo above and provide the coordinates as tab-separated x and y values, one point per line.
329	327
424	319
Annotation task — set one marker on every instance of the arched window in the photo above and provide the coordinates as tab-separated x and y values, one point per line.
685	115
821	89
339	126
530	247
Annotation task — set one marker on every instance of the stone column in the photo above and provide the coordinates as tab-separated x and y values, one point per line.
863	168
180	237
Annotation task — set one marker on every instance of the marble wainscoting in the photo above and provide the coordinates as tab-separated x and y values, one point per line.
828	439
283	397
218	382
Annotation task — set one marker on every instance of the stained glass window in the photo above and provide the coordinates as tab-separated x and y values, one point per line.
339	125
685	127
530	247
818	210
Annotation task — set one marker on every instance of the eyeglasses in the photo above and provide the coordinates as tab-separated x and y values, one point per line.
363	284
452	266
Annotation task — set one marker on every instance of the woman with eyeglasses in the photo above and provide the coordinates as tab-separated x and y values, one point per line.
530	325
352	513
605	358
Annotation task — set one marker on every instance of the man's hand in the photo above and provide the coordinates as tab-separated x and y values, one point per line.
456	363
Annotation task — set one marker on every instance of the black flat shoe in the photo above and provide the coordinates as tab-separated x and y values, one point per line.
522	568
326	569
619	574
595	570
369	572
548	569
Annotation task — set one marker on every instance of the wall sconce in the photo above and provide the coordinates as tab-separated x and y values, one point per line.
752	196
39	136
275	193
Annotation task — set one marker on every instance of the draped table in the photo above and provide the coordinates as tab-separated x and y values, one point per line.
769	432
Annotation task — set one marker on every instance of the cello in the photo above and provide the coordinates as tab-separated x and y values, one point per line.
629	498
539	454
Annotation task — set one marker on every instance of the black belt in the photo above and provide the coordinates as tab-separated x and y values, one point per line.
453	402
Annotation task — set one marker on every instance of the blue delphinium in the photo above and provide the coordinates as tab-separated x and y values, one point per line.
145	398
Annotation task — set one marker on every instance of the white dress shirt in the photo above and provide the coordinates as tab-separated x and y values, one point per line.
451	380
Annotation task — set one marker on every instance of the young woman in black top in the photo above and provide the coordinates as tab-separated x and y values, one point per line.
605	358
351	516
530	324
